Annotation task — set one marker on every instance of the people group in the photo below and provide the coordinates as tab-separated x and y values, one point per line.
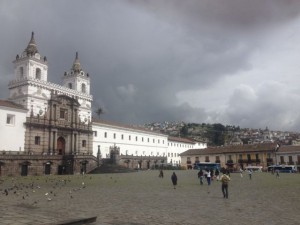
209	175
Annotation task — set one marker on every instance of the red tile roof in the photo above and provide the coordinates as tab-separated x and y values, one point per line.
179	139
10	104
116	124
231	149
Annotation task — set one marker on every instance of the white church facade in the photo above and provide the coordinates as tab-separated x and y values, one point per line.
48	128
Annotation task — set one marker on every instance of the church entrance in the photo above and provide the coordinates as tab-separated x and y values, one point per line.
61	144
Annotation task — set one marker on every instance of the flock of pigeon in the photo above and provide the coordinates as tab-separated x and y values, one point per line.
32	190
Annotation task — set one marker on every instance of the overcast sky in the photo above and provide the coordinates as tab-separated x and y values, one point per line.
234	62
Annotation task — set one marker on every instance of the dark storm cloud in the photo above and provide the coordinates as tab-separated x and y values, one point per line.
142	54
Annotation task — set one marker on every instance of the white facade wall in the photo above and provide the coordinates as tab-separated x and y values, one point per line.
175	148
12	136
130	141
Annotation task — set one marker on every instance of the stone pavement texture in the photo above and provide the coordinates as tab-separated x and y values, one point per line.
141	198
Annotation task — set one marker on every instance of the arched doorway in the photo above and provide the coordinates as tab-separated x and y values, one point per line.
48	168
61	144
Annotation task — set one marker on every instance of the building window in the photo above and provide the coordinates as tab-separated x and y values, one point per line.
217	159
114	135
122	136
240	156
153	140
148	139
105	134
291	160
142	139
129	137
38	73
95	133
21	72
188	160
10	119
63	114
158	141
83	88
206	158
282	160
136	138
37	140
70	85
83	143
197	159
249	157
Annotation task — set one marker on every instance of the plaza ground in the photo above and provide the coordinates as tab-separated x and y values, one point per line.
142	197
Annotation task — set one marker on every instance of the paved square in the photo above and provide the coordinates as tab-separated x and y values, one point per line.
141	198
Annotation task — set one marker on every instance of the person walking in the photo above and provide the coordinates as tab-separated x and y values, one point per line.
225	179
174	179
208	177
250	174
161	174
241	172
277	173
217	174
200	176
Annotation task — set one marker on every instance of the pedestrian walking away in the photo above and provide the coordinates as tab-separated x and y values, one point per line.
161	174
208	177
217	174
200	176
277	173
174	179
250	174
225	179
241	172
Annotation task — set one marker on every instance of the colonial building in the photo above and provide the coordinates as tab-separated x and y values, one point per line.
48	128
177	145
136	147
52	122
235	157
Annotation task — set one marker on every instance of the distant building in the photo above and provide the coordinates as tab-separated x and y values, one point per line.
240	156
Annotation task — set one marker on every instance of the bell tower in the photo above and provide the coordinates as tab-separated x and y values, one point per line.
30	65
76	79
77	82
27	88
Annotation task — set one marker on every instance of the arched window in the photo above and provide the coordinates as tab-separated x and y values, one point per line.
21	72
83	88
38	73
70	85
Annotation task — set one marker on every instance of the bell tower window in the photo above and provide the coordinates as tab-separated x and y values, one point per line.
83	88
21	72
38	73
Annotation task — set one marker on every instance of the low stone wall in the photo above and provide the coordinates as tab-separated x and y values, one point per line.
33	165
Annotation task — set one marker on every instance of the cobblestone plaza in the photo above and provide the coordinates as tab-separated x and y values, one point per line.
142	197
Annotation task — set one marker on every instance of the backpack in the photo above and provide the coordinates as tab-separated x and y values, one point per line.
225	179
